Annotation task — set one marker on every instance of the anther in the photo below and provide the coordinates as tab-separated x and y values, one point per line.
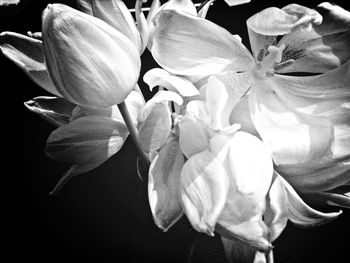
260	56
284	64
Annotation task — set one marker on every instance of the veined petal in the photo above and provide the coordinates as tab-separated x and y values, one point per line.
322	47
55	110
204	187
292	137
103	66
189	45
298	212
160	77
27	53
193	142
155	129
114	13
164	183
91	139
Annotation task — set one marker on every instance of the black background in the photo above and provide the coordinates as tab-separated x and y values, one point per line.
103	216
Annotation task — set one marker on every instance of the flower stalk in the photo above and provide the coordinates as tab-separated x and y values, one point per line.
133	133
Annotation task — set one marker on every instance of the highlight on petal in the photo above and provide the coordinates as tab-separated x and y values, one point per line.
163	184
160	77
116	14
27	54
292	137
273	21
286	202
188	45
103	66
193	142
322	47
155	129
204	187
87	140
55	110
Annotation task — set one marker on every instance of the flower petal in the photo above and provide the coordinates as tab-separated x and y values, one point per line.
116	14
322	47
155	6
291	136
27	54
204	187
163	185
103	66
177	39
237	251
286	200
181	5
142	24
193	142
57	111
250	177
155	130
160	77
87	140
236	2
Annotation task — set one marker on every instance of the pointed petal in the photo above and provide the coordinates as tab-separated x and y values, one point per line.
160	77
142	24
116	14
98	80
298	211
73	171
155	130
163	185
335	197
322	47
176	40
57	111
91	139
204	187
27	54
193	142
292	137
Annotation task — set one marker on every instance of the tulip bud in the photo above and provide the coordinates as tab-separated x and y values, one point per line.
91	63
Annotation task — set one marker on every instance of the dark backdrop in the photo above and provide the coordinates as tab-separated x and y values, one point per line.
103	216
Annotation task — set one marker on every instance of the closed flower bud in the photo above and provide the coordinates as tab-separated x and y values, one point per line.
91	63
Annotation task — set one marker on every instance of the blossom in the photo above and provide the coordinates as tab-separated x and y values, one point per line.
221	178
303	120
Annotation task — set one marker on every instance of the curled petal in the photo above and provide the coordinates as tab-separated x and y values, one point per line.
155	129
163	185
176	40
322	47
204	187
57	111
27	53
285	200
160	77
91	63
91	139
142	24
114	13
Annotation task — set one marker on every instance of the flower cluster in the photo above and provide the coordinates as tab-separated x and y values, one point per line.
231	137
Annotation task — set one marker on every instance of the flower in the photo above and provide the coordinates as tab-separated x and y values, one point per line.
303	120
221	178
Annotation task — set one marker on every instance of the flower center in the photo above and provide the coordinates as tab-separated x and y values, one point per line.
267	63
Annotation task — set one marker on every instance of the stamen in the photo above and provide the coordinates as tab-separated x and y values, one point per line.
260	55
284	64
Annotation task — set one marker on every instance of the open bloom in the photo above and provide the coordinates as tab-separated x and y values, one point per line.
221	178
303	120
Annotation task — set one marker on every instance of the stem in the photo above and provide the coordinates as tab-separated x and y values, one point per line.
133	132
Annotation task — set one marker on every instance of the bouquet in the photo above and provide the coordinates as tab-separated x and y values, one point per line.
233	141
